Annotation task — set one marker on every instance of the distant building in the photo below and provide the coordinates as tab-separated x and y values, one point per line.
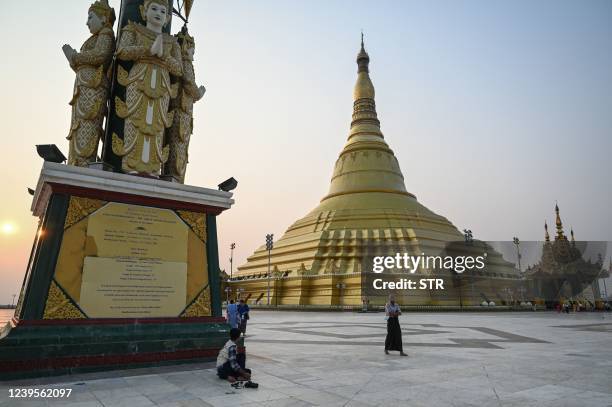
562	272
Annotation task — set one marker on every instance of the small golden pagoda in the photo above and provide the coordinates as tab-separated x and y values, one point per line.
563	272
318	261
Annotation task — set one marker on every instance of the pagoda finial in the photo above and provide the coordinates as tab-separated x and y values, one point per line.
363	59
560	234
546	235
572	234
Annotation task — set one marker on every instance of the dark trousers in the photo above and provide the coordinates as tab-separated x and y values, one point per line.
393	341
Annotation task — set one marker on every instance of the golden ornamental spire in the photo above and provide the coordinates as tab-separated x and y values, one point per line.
560	234
364	108
546	235
365	120
366	163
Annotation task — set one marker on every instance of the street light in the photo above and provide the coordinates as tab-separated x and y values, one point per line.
269	247
517	242
232	247
228	185
469	240
227	291
50	152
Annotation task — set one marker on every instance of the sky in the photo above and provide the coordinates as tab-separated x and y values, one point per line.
495	109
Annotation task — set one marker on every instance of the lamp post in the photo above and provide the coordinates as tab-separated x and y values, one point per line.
517	242
227	291
469	240
269	247
232	247
13	302
604	280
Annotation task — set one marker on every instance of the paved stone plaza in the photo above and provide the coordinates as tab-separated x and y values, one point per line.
337	359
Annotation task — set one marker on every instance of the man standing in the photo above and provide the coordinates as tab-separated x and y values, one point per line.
232	316
243	311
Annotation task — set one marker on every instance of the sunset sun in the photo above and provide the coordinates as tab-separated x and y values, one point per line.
8	228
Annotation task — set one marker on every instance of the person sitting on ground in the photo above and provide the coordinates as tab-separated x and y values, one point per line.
228	367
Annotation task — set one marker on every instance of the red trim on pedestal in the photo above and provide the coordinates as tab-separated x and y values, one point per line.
112	196
117	321
105	360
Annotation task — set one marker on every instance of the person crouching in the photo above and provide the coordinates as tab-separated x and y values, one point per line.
228	367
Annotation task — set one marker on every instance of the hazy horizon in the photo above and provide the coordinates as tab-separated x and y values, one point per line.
495	110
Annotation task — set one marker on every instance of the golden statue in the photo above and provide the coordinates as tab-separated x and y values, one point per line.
182	126
91	84
156	55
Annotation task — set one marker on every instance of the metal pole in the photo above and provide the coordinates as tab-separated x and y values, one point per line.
13	302
517	242
269	247
460	294
469	240
268	277
232	246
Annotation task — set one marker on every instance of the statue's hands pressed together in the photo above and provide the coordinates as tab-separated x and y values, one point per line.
157	48
202	90
68	52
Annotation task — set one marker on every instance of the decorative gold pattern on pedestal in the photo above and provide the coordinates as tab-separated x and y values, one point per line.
196	221
80	208
200	307
59	305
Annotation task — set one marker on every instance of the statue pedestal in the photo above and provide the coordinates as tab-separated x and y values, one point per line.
123	273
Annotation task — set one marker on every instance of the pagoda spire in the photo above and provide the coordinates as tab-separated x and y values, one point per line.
546	235
560	234
366	164
365	118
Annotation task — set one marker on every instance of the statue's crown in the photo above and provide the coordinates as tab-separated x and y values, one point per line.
162	2
103	9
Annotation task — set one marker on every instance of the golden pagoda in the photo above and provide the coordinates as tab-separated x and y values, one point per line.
319	259
563	271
